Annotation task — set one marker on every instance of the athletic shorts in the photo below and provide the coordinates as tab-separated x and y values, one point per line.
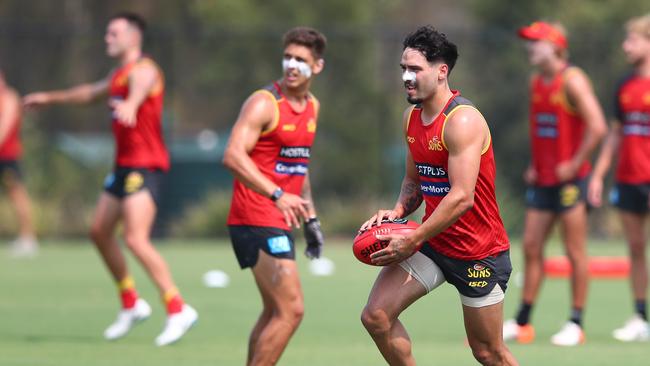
557	198
125	181
480	282
630	197
248	240
9	171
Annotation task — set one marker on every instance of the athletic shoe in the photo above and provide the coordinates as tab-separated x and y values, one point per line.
635	329
177	325
24	247
523	334
126	319
571	334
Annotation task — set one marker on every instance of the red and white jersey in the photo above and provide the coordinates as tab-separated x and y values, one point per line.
282	154
556	130
11	148
479	232
633	112
142	145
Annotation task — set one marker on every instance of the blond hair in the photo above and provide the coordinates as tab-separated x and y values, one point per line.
640	25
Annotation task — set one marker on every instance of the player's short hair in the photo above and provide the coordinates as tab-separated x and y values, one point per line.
640	25
308	37
433	44
133	19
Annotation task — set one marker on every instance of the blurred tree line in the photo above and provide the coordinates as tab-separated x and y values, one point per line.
215	53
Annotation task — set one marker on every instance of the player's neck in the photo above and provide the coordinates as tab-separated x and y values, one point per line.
296	95
552	67
643	68
130	56
432	107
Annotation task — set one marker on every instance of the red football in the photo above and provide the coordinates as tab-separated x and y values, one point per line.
365	243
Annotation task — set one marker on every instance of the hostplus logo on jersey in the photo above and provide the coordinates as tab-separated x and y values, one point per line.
546	125
435	188
637	123
291	153
431	171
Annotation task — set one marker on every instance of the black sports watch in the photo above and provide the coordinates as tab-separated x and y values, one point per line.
276	194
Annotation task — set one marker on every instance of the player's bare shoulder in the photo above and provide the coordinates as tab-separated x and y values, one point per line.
465	125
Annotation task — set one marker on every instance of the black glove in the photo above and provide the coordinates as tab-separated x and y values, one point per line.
314	238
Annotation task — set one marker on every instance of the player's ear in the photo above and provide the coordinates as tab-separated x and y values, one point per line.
318	66
443	71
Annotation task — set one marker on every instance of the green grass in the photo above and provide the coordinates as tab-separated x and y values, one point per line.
54	308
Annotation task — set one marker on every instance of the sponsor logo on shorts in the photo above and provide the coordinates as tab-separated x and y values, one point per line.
479	284
569	195
295	152
279	244
109	180
435	188
430	171
290	168
478	271
133	182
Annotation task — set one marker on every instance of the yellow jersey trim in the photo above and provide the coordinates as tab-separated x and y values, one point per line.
276	116
564	97
159	86
486	147
408	121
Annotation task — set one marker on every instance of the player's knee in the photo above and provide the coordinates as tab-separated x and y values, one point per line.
375	320
486	355
134	241
98	234
294	312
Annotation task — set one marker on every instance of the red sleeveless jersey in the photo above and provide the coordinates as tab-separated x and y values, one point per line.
282	154
479	232
633	112
140	146
556	130
11	148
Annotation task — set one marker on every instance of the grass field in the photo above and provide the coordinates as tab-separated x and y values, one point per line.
54	308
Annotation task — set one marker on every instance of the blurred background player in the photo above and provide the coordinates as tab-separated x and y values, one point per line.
268	153
566	124
450	165
629	138
136	89
25	245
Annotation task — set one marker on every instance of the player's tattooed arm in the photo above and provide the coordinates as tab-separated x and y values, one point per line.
410	197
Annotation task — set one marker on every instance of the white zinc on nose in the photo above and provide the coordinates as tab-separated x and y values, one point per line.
301	66
408	76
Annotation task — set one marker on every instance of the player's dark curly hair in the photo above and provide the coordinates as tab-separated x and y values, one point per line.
433	44
308	37
132	18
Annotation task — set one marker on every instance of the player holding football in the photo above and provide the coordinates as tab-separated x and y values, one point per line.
268	153
25	245
136	89
566	125
450	166
629	138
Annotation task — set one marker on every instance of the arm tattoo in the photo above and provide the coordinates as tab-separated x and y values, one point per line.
410	197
